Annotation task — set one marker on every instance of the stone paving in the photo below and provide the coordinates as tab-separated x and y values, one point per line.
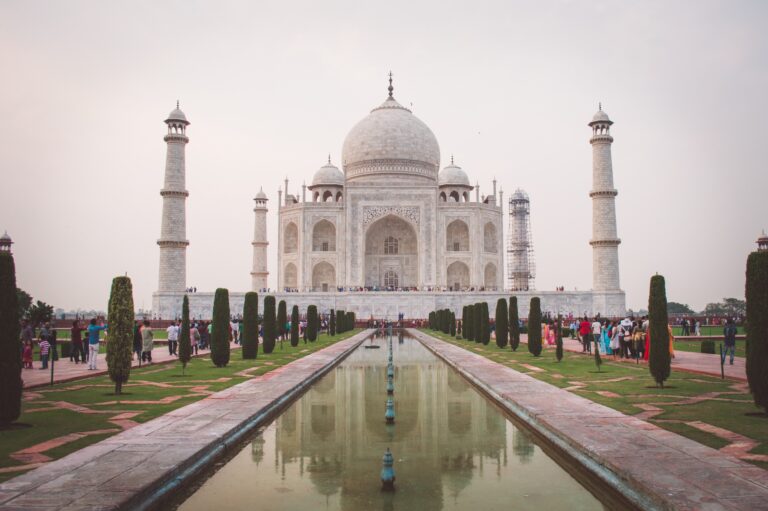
147	462
654	468
64	370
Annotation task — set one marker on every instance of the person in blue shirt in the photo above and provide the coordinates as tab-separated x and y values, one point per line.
93	342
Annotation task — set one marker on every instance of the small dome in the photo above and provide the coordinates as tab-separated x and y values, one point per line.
261	195
600	116
519	195
5	236
453	175
328	175
177	115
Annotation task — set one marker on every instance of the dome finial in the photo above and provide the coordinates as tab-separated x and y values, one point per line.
451	159
390	88
177	103
600	106
329	158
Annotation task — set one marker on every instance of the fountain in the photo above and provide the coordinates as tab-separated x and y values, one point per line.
387	472
389	415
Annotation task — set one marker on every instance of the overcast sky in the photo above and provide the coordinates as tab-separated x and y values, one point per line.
272	87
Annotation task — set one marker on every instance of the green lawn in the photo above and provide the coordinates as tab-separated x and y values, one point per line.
47	421
708	330
695	346
733	409
64	333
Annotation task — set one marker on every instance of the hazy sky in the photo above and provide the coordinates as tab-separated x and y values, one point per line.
272	87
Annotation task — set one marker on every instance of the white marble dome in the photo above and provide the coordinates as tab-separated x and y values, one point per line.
391	140
177	115
453	175
328	175
600	116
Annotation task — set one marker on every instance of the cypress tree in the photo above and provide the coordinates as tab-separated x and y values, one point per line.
220	328
446	321
185	343
659	359
460	328
559	341
269	324
453	324
514	324
534	327
757	327
485	324
340	321
295	326
250	340
501	323
478	321
120	320
282	319
352	320
312	323
469	326
10	348
332	323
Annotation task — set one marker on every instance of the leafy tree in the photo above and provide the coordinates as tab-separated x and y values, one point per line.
501	323
312	323
40	313
757	333
120	319
250	340
514	324
10	347
729	307
485	323
185	343
332	323
679	308
220	328
658	321
534	327
559	341
25	303
295	326
282	319
269	324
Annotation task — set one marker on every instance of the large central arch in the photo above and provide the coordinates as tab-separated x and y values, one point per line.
391	253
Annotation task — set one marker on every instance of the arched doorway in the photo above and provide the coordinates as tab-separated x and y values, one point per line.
291	239
323	277
289	277
457	276
490	277
457	236
490	240
324	237
391	254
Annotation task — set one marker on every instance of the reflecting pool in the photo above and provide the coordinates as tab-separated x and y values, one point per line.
453	448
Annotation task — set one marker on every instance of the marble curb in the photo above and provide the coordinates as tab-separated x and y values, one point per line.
650	467
141	468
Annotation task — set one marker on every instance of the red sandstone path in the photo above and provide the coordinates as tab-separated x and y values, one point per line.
701	363
67	371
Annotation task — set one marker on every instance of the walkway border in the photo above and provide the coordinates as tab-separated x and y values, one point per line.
141	468
664	472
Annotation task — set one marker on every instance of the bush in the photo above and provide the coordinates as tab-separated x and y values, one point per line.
534	327
659	359
220	328
514	324
501	323
708	346
340	321
559	342
120	320
478	322
332	324
66	349
185	343
250	340
312	323
757	333
453	324
10	347
295	325
269	324
469	326
485	324
282	319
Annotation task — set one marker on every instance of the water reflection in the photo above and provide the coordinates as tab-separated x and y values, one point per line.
450	446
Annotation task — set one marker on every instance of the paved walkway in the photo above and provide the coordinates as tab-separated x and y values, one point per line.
652	467
64	370
137	468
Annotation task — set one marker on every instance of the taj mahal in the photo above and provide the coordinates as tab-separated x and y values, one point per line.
390	234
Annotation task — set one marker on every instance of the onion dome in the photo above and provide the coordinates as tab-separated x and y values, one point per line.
177	115
453	175
328	175
261	195
600	117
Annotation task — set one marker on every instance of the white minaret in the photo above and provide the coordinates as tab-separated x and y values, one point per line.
259	273
605	241
173	232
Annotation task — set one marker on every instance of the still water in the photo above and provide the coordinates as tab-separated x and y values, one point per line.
453	449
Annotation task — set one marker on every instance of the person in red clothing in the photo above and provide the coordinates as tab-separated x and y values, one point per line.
585	329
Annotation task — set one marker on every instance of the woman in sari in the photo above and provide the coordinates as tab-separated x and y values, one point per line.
605	334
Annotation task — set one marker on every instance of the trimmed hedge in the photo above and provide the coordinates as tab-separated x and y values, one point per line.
295	326
332	324
220	328
659	360
11	384
707	346
270	329
514	324
501	323
250	340
120	320
757	330
282	319
185	343
312	323
534	327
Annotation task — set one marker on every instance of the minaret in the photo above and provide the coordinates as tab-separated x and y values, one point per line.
605	241
259	273
173	232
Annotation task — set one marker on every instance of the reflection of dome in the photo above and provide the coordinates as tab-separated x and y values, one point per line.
328	175
391	140
453	175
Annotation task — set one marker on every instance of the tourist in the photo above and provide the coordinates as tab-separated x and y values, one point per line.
605	338
173	338
671	342
93	342
697	328
597	328
45	348
138	344
584	330
730	339
27	332
76	342
26	355
616	340
147	342
233	331
194	338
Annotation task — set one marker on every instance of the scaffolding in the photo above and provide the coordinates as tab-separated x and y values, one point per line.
521	267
